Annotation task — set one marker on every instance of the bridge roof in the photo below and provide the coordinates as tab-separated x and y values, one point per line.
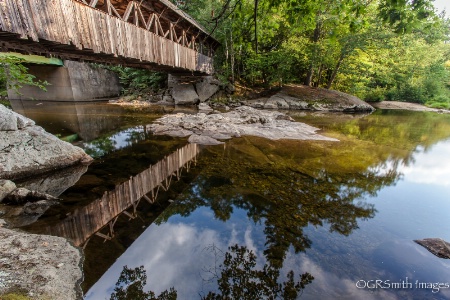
174	13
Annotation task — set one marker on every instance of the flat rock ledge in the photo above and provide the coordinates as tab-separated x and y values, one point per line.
437	246
46	267
210	129
300	97
27	150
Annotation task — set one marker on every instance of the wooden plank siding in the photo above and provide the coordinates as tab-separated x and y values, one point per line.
82	28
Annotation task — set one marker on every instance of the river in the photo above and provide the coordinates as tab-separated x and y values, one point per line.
342	214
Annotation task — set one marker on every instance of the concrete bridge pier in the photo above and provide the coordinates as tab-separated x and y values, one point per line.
75	81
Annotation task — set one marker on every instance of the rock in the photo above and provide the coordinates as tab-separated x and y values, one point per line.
309	98
204	107
54	183
207	88
184	94
243	120
229	88
294	103
437	246
257	103
277	102
31	150
6	187
38	208
203	140
167	98
30	262
22	195
8	119
23	122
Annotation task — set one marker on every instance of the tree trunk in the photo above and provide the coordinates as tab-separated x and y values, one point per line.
309	75
255	14
316	37
335	71
319	76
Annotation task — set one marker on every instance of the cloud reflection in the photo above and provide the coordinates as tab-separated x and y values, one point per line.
430	167
176	255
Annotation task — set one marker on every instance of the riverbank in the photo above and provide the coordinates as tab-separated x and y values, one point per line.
289	97
406	106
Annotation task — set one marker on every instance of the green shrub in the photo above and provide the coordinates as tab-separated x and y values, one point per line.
410	93
375	95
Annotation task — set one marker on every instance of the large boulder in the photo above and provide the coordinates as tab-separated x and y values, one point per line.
46	267
27	149
300	97
207	88
207	129
184	94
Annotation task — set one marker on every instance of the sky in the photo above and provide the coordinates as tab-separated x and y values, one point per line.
441	5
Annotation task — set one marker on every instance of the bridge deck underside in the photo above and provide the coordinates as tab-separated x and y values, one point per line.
71	30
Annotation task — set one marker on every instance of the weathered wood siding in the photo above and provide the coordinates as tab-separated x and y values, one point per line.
68	22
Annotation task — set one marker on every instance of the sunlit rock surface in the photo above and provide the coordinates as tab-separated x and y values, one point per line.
27	149
46	267
243	120
301	97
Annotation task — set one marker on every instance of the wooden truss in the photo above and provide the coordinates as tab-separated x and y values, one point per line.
157	19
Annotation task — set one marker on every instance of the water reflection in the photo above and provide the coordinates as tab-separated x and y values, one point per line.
236	276
280	196
98	128
341	213
87	120
90	219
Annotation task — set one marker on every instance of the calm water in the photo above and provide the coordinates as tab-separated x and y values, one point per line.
346	213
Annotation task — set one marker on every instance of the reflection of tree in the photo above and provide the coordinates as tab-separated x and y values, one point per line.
131	283
238	279
100	146
287	194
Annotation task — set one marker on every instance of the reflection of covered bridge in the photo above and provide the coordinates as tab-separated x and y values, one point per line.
146	33
101	215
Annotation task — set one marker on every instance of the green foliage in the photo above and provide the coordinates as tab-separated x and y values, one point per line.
377	50
139	81
375	95
14	75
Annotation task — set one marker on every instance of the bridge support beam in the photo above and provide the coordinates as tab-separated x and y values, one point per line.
75	81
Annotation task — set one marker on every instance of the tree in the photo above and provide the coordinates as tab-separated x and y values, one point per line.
14	75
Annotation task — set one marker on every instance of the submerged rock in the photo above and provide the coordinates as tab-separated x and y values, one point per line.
47	267
27	149
244	120
437	246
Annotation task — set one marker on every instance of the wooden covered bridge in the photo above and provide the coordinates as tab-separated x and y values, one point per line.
152	34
